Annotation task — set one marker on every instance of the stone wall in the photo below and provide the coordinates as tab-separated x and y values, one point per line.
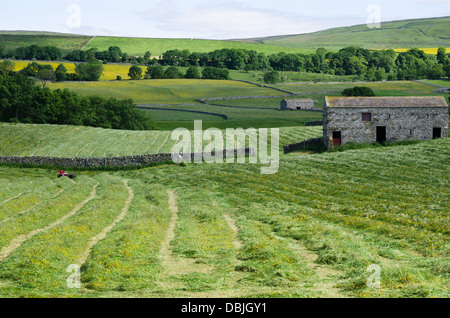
301	145
314	123
141	160
402	123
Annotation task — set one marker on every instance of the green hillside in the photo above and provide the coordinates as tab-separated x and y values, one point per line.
421	33
243	112
88	142
14	39
138	46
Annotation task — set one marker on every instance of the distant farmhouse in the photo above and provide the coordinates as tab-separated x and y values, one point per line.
383	119
300	103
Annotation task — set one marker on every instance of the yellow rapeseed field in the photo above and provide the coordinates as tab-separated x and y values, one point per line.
426	50
110	71
20	65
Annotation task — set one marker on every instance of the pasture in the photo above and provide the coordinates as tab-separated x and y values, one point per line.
87	142
423	33
14	39
184	94
175	91
224	230
138	46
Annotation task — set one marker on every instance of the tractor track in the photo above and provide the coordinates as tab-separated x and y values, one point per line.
100	236
19	240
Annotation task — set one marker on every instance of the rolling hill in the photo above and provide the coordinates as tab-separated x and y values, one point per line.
430	32
421	33
11	40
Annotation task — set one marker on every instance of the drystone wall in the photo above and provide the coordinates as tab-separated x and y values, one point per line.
141	160
301	145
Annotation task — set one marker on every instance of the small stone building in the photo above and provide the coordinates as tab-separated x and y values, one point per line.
294	104
383	119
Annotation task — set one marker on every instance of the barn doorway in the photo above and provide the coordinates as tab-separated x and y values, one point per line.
381	134
437	133
337	140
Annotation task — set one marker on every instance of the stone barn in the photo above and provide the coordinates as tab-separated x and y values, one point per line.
294	104
383	119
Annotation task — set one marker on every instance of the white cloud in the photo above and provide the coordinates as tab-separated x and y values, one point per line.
227	20
436	2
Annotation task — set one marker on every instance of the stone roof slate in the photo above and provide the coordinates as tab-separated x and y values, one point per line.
299	101
410	101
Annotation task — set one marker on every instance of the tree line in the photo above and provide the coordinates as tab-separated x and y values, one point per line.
51	53
193	72
369	65
22	101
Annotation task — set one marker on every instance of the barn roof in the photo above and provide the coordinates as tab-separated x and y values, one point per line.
299	101
410	101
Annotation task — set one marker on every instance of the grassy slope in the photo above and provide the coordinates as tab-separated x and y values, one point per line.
166	91
12	40
420	33
138	46
70	141
177	92
237	233
189	91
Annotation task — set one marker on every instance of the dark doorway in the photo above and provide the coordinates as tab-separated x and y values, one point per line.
337	138
381	134
437	133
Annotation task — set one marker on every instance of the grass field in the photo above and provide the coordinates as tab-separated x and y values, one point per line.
175	91
396	88
138	46
416	33
420	33
88	142
12	40
440	83
224	230
181	91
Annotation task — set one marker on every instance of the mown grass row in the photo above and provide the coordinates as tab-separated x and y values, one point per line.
87	142
384	206
379	206
38	268
128	260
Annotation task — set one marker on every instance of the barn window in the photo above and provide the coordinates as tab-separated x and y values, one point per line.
366	116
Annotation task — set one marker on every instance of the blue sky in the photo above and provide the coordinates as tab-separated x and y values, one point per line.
211	19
